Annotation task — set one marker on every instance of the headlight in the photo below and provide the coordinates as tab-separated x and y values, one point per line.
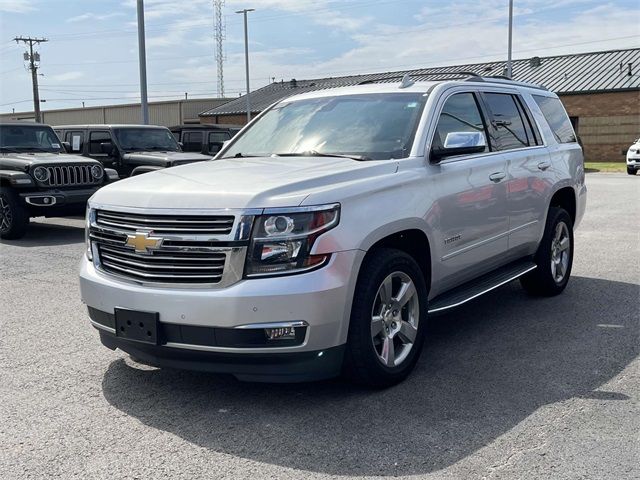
89	217
282	239
97	172
41	174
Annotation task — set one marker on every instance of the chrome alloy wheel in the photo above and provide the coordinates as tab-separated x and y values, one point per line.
560	250
394	319
6	217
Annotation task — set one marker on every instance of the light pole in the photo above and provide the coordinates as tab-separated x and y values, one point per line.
246	58
142	59
510	38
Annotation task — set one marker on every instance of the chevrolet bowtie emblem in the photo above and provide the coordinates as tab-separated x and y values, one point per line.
142	241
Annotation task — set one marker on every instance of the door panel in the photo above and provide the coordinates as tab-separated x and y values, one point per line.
472	223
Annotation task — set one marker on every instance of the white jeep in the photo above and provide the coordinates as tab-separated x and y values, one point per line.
323	235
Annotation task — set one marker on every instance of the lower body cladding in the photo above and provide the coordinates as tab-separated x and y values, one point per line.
278	329
51	203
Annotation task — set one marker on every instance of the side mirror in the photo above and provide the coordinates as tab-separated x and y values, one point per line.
66	146
107	148
460	143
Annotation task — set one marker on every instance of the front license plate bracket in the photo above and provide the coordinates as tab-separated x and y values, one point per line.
137	326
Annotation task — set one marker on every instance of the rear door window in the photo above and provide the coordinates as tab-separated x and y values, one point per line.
508	127
216	139
95	139
192	141
557	118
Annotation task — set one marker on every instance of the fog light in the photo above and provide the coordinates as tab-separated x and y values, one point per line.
281	333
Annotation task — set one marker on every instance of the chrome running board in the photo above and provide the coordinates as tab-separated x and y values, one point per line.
480	286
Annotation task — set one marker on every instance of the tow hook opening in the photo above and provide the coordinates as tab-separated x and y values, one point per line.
41	200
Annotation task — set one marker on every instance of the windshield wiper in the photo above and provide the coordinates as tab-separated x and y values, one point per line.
313	153
240	155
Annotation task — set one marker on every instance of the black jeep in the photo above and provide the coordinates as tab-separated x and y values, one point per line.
204	138
37	179
129	149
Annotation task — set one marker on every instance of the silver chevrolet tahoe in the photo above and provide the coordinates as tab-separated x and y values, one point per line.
323	235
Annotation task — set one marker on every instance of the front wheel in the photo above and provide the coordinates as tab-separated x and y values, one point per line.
554	256
388	319
14	218
631	171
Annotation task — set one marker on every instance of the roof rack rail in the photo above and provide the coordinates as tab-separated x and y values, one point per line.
426	74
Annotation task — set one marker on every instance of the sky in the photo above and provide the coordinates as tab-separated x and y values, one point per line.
92	52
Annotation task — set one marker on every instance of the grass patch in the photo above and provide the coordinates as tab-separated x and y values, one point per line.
615	167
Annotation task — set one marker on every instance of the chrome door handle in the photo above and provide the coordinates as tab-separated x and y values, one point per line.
544	165
496	177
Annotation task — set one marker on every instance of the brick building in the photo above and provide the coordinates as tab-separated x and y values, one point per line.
600	90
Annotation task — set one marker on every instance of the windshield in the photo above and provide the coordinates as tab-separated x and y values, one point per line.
28	138
369	126
147	139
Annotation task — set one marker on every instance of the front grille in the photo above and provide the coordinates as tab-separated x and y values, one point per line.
183	224
70	175
187	253
162	267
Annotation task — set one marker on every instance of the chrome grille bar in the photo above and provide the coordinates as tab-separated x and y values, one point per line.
190	225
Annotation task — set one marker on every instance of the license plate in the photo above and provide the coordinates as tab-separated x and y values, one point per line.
137	326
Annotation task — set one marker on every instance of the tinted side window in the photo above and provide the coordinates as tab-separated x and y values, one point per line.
76	140
460	113
95	139
508	127
216	139
557	118
192	141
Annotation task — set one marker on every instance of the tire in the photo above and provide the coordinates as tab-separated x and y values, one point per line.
631	171
365	356
14	217
549	280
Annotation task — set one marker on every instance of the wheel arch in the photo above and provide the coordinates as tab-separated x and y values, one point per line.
565	198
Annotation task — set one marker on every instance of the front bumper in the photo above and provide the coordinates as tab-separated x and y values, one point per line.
321	299
58	198
633	161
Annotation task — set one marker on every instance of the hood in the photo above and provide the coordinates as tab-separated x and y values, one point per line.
26	160
259	182
166	158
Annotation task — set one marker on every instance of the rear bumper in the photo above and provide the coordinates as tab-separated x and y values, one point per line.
252	367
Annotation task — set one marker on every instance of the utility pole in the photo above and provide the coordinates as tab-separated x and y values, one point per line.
34	61
510	39
246	58
142	60
219	36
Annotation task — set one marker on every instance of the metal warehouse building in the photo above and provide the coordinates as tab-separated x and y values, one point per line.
600	90
167	113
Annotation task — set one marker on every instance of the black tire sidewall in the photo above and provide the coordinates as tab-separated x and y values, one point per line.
361	361
20	217
542	278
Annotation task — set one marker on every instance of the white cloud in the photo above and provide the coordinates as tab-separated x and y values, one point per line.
93	16
16	6
66	76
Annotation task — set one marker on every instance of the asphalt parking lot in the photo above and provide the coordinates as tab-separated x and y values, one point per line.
508	386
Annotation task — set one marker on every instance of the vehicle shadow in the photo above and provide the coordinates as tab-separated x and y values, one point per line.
47	233
485	368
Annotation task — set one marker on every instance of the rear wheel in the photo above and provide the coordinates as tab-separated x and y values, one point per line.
13	216
631	171
388	319
554	257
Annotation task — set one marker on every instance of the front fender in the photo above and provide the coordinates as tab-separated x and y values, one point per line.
16	179
145	169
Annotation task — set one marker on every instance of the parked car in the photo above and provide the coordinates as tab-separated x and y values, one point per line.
325	233
633	158
206	139
129	149
37	179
